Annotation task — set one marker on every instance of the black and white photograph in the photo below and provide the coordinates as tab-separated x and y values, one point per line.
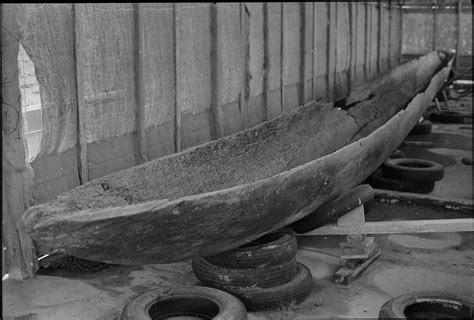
237	160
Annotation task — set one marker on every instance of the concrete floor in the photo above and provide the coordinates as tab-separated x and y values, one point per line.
409	262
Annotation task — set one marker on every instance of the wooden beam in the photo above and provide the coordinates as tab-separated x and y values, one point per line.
216	123
458	35
81	112
302	80
244	34
177	74
314	51
139	87
368	40
390	12
435	25
266	62
389	227
282	58
400	33
330	96
335	82
352	52
379	6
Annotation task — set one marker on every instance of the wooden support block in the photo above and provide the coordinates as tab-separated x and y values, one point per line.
368	241
355	217
346	275
358	253
355	238
355	262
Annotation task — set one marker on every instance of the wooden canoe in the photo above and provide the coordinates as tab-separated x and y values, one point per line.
225	193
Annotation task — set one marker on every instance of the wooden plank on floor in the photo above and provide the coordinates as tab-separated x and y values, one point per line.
406	226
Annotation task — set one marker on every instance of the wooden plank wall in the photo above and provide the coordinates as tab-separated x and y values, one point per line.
438	24
125	83
147	80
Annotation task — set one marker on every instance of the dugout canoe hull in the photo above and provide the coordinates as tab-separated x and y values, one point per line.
225	193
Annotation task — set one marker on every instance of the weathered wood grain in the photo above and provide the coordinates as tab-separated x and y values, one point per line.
224	193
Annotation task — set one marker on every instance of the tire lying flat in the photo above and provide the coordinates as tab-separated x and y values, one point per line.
377	180
416	170
427	305
269	250
263	277
292	292
190	301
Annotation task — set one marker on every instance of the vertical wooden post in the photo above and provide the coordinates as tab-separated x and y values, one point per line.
458	35
81	115
139	87
400	29
379	6
17	247
389	34
335	82
282	58
266	62
367	42
314	51
216	130
177	83
244	33
435	24
302	66
328	52
351	45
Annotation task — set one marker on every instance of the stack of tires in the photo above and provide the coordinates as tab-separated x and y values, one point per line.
407	175
264	274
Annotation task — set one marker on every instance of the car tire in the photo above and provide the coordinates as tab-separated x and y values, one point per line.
271	249
264	277
380	182
409	169
427	305
292	292
197	301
